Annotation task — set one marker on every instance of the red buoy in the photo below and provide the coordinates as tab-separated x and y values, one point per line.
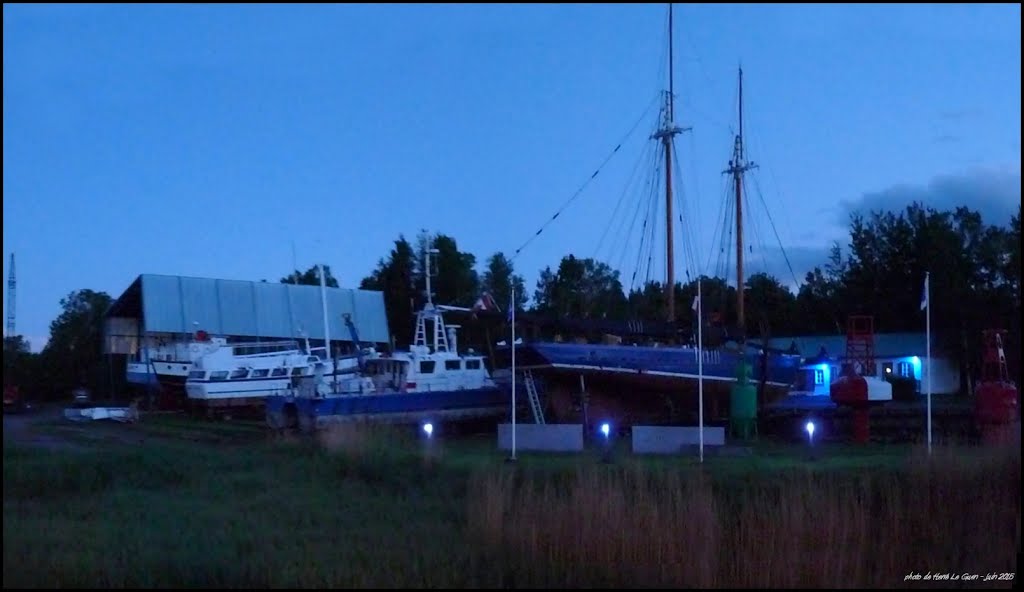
996	399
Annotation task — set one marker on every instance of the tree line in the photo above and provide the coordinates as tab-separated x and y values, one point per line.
974	271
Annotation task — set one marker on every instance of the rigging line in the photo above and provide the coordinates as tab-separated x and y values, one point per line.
697	201
755	232
775	230
640	205
687	238
715	253
647	227
643	204
650	190
728	238
655	237
629	182
587	182
774	182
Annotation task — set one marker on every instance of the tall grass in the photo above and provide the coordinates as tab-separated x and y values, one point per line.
372	506
673	528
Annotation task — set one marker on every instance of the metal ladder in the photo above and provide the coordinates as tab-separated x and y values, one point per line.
534	398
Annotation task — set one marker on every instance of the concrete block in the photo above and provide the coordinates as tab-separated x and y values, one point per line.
673	440
559	437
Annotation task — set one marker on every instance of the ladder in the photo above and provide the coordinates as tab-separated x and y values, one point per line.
531	394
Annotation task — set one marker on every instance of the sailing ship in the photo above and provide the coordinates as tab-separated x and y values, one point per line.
658	383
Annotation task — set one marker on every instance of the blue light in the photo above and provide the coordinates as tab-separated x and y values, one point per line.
916	361
605	429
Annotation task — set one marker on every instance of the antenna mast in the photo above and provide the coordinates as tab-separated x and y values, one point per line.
668	131
12	284
737	166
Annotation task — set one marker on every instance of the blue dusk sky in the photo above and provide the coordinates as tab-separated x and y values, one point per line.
224	140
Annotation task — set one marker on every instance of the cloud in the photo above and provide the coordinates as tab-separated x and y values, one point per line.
995	193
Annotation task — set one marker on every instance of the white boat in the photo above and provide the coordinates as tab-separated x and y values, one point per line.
167	364
229	376
233	376
429	382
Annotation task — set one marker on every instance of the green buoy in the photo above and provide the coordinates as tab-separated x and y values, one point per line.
743	404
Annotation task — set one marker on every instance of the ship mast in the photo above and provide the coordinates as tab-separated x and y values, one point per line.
737	166
668	131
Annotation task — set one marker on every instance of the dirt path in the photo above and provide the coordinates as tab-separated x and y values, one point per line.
23	429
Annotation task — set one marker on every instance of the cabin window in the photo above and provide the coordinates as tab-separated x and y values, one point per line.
472	364
279	372
197	374
452	365
219	375
819	376
297	371
260	373
427	366
240	373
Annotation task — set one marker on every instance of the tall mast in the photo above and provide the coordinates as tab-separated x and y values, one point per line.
665	134
738	166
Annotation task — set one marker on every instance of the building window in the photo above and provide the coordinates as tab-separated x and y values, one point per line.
819	377
905	370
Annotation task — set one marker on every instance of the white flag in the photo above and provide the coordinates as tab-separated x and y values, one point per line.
696	300
924	295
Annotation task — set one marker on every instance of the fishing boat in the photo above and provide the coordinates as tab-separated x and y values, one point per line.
430	382
597	377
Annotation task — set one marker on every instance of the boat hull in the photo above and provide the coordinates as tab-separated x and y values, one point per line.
650	385
438	406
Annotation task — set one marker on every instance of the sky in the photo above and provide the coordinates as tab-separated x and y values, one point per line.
238	141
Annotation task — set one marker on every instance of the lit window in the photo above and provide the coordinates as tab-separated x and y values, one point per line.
819	376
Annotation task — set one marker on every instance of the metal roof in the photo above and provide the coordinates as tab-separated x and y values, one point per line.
177	304
887	345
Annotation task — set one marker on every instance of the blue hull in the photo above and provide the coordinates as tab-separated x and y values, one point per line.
679	363
388	407
141	378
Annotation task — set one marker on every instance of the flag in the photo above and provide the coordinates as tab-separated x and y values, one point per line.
511	307
696	302
924	295
485	302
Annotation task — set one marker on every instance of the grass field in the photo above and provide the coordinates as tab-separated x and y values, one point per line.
170	502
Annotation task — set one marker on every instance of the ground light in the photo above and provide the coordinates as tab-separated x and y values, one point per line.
809	428
429	453
606	430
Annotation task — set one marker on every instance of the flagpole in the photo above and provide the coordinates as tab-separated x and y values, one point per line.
512	313
700	369
928	353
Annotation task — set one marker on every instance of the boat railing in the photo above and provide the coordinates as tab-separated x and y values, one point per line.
254	348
